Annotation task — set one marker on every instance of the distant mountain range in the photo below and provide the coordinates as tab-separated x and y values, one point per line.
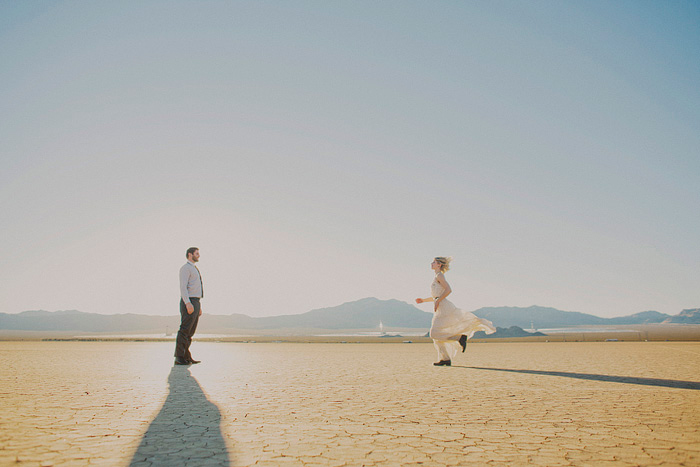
361	314
539	317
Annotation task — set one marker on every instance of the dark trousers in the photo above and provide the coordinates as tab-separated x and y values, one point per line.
188	325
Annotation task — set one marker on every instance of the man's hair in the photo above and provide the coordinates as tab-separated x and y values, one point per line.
190	251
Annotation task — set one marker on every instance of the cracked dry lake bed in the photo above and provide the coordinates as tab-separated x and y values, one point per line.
124	403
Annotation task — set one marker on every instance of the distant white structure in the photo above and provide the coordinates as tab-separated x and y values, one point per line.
381	328
532	327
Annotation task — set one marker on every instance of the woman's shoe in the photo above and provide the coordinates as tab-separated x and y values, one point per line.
443	363
463	342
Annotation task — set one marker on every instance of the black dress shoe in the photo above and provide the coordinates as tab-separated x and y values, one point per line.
181	361
443	363
193	361
463	342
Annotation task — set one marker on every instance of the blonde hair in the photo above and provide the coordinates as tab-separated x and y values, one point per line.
444	262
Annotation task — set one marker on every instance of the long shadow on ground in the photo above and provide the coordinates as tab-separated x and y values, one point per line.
186	431
667	383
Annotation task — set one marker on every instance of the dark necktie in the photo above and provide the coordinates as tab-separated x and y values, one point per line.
201	284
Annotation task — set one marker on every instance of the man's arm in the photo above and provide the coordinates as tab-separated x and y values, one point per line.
184	278
184	294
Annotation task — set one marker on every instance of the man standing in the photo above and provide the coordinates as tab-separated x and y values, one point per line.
191	291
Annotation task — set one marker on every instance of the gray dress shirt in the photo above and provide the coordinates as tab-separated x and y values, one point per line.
190	282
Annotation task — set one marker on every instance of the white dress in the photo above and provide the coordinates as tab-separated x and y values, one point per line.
449	323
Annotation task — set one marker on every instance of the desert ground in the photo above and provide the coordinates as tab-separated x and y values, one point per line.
277	404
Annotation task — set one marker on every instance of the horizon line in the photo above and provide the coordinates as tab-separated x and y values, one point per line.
345	303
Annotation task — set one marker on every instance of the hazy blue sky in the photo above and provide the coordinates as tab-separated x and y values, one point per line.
323	152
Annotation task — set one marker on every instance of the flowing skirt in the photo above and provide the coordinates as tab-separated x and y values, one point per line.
449	323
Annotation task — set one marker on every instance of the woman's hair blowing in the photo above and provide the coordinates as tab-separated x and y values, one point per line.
444	262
